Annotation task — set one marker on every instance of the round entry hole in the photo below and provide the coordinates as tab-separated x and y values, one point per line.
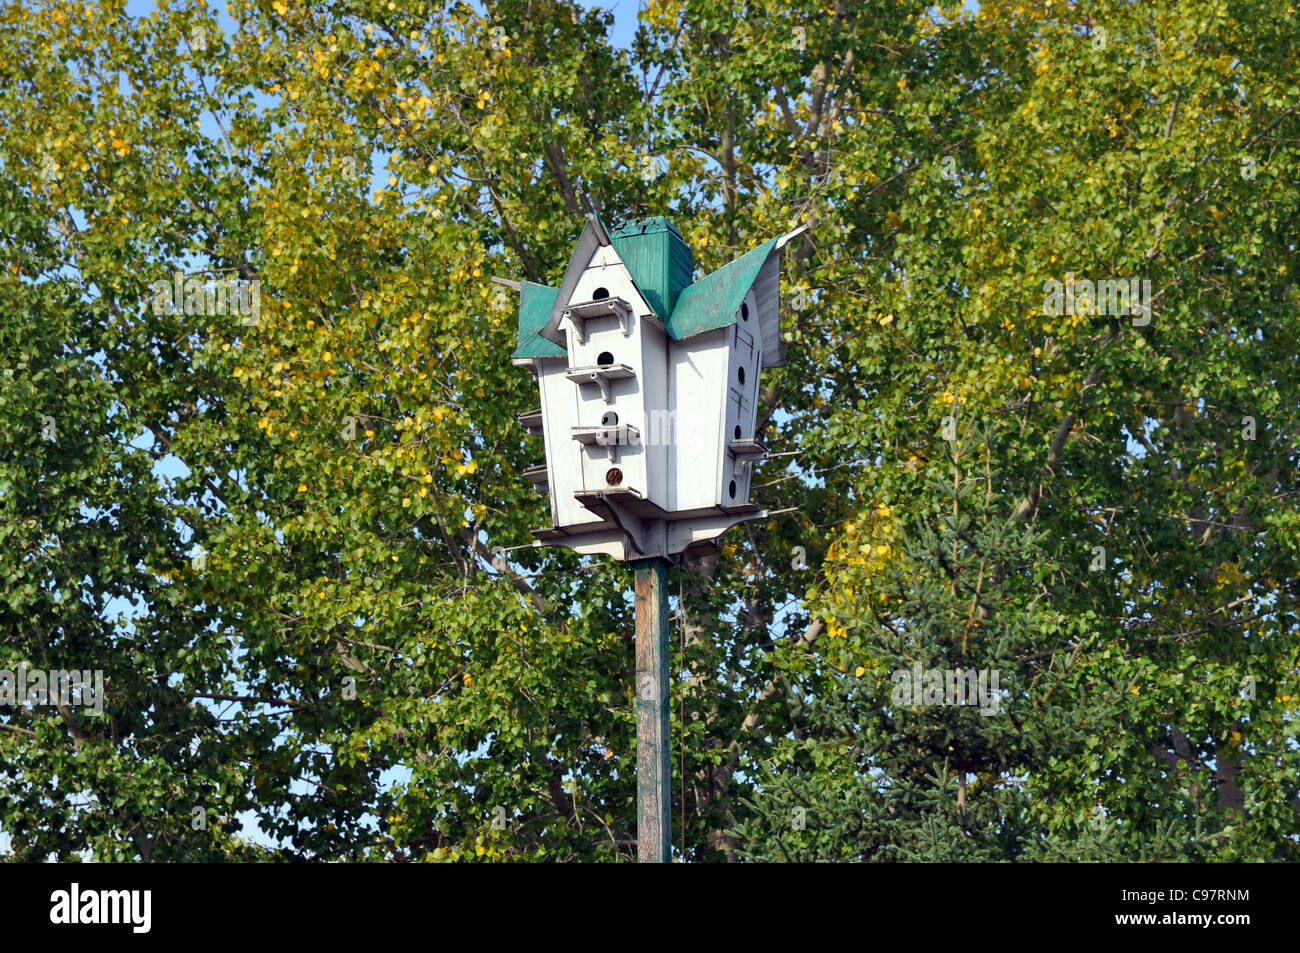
604	359
600	294
614	477
731	488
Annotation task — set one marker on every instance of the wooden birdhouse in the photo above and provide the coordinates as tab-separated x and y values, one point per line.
649	389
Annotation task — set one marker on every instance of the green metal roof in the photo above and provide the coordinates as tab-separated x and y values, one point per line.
536	302
660	263
712	302
658	258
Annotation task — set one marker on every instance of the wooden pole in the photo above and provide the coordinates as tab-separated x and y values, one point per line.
653	767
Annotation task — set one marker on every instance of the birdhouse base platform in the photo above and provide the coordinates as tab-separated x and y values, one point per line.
632	527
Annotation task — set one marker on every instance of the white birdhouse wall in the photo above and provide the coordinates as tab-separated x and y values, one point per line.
629	359
635	464
741	388
696	380
561	412
714	408
654	404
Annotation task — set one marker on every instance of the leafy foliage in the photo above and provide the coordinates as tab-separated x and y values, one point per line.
345	670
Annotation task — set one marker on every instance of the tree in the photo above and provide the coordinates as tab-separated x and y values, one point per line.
300	504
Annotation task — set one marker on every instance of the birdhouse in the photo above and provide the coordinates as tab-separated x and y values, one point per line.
649	389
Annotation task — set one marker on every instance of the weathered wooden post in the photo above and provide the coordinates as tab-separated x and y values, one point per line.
649	409
653	763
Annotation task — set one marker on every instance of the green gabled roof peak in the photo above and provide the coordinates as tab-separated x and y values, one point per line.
658	259
712	302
